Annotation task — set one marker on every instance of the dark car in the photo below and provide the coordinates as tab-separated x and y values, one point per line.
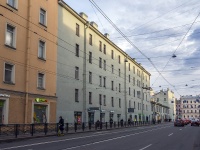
195	123
179	122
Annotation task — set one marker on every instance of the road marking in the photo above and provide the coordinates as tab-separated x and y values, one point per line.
145	147
170	134
56	141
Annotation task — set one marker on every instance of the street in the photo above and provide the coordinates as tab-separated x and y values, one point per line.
156	137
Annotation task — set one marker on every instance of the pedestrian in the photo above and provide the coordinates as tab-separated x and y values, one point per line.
61	124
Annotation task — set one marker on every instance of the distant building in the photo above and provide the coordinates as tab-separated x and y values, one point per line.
163	105
190	106
178	109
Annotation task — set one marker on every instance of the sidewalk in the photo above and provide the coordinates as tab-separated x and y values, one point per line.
10	138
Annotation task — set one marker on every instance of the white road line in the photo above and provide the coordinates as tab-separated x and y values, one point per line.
170	134
56	141
145	147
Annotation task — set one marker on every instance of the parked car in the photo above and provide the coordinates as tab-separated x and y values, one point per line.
179	122
195	122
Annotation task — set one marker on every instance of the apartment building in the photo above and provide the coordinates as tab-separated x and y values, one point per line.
190	107
96	79
163	105
28	35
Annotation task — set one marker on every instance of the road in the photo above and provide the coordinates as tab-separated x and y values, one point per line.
157	137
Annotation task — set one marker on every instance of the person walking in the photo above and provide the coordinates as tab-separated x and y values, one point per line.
61	124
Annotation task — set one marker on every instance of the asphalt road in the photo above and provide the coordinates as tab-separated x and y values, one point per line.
157	137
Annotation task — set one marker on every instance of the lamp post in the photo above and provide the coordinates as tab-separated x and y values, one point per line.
86	26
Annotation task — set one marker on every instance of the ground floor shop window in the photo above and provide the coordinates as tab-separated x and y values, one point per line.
78	117
102	117
40	114
135	117
1	112
91	117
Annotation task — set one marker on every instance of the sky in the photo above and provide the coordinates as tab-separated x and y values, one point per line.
160	29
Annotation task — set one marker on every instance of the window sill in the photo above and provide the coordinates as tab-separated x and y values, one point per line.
12	7
43	59
40	88
9	82
10	47
43	25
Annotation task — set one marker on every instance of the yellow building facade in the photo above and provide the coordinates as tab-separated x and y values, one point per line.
28	56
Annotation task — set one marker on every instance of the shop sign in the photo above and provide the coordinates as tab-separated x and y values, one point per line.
4	95
40	100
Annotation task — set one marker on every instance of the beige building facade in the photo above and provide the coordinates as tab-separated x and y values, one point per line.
97	80
28	36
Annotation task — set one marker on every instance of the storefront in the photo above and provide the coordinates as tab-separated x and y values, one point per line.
40	109
4	103
91	117
78	117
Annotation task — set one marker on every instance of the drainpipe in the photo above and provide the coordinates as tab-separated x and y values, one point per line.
86	26
27	62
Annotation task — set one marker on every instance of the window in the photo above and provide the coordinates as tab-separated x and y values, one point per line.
90	77
129	91
134	92
77	29
41	51
112	67
104	64
12	3
40	80
104	49
133	80
104	81
43	17
129	103
119	87
100	46
134	69
104	100
100	102
112	101
138	94
129	78
129	67
77	50
112	54
10	36
138	106
119	103
76	95
112	85
90	39
9	73
77	73
90	57
134	104
119	60
164	99
100	81
100	62
90	97
119	72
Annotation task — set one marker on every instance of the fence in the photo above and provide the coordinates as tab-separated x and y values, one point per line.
19	130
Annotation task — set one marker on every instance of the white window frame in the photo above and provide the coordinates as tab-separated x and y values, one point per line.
14	35
44	52
15	4
44	77
12	74
77	73
45	19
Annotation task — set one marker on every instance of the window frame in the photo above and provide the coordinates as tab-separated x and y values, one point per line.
76	73
90	97
77	29
100	46
12	73
76	95
90	39
90	77
43	83
13	46
90	57
15	4
44	50
45	17
77	50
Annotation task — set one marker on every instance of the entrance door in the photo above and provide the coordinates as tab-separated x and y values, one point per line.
1	112
91	117
39	113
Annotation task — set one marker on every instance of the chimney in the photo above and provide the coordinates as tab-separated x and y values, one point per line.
107	35
94	24
83	15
